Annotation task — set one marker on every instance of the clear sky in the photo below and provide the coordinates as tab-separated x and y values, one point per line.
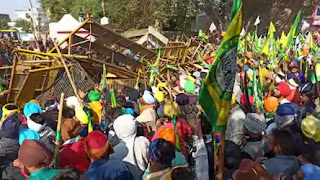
9	6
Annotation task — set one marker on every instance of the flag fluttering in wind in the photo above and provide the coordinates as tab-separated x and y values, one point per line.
271	31
138	79
266	48
242	33
312	45
283	39
216	92
154	69
103	77
293	31
257	22
212	27
290	36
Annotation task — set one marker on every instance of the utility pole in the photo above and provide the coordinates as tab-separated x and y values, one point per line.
103	10
33	19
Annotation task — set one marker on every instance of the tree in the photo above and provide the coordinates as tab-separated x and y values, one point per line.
3	24
57	8
280	12
129	14
24	24
218	11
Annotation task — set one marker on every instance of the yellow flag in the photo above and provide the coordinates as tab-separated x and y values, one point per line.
265	49
158	59
272	29
283	39
311	42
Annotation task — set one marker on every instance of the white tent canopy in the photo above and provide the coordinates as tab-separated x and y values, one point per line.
61	29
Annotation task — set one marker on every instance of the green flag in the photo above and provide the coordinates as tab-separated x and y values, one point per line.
312	45
103	77
290	36
216	91
293	31
155	69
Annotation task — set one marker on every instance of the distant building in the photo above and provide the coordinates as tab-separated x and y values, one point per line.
37	13
5	17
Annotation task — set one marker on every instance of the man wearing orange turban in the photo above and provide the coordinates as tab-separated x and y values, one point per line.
271	104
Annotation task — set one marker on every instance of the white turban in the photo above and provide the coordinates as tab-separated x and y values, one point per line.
73	101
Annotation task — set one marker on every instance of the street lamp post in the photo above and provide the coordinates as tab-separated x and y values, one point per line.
39	25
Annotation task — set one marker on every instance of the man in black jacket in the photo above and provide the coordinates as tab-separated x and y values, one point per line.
9	140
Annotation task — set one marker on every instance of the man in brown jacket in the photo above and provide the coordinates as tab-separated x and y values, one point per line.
70	126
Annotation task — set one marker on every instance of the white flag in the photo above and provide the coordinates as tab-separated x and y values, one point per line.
212	27
242	33
308	38
305	25
257	22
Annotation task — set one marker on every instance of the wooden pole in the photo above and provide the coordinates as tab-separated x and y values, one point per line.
144	78
48	68
58	136
248	106
215	155
168	79
274	78
68	74
316	77
13	71
221	157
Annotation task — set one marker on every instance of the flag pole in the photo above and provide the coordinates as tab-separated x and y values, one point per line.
316	77
169	87
58	136
221	157
274	78
248	107
73	85
144	78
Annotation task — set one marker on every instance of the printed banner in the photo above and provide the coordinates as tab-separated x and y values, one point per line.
316	16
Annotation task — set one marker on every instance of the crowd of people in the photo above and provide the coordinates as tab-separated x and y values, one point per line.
160	132
147	134
123	134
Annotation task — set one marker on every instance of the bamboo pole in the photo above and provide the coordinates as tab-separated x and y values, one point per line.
221	157
13	70
39	61
6	67
70	45
274	78
58	136
248	107
169	87
72	33
33	19
51	54
144	78
68	74
48	68
316	77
